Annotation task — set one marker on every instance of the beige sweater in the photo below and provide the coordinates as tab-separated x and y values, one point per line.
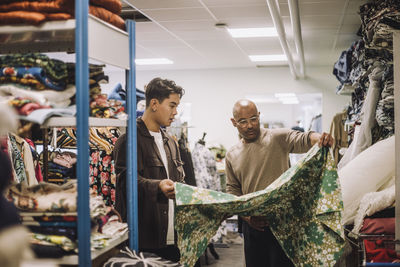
251	167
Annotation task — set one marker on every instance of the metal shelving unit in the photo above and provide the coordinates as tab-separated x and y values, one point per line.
88	37
93	122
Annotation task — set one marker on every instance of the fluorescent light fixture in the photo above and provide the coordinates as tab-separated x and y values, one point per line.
262	98
252	32
257	58
153	61
285	95
290	101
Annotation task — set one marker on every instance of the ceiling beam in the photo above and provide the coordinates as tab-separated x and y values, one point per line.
298	39
277	19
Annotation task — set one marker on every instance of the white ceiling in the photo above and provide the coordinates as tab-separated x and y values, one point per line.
184	31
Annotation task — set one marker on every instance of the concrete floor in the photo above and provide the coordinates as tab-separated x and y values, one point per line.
228	257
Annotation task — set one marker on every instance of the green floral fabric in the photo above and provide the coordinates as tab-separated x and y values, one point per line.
303	207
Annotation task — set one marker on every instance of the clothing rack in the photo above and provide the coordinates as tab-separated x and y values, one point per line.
81	33
202	141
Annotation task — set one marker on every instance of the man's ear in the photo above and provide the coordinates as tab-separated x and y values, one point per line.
153	103
233	122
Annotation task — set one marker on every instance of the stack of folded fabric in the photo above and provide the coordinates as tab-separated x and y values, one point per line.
100	106
61	166
106	108
49	211
38	87
38	11
96	77
34	81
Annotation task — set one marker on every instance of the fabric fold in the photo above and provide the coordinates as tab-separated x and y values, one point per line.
303	208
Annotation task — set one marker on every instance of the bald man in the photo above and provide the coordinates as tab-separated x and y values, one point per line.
259	158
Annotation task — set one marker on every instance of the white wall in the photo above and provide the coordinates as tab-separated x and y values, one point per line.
213	93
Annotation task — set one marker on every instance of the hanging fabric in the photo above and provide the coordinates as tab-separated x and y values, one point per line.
303	208
205	168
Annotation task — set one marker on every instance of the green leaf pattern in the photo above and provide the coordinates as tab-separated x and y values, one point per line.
303	207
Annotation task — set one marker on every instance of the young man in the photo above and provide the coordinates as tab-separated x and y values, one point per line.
260	157
159	166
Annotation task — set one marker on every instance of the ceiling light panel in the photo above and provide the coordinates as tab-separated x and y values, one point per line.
153	61
252	32
290	102
285	95
260	58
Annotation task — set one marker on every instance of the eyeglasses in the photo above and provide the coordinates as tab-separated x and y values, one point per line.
244	122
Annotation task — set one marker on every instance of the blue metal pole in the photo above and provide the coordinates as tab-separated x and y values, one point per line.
82	117
131	177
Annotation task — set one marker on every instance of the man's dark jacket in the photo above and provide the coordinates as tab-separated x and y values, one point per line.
153	205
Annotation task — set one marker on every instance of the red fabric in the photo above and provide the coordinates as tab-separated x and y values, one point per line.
3	144
378	226
38	173
377	252
29	107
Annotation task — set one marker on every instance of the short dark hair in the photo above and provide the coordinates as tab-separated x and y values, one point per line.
160	89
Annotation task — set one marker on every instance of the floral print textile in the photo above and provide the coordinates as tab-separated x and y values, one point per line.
18	162
102	175
303	207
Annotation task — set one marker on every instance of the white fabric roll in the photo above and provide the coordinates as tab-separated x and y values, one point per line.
367	172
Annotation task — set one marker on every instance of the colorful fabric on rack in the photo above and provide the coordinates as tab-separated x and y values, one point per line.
303	207
34	73
62	241
52	224
25	106
71	233
44	197
102	107
65	159
55	69
18	162
36	157
102	175
53	98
